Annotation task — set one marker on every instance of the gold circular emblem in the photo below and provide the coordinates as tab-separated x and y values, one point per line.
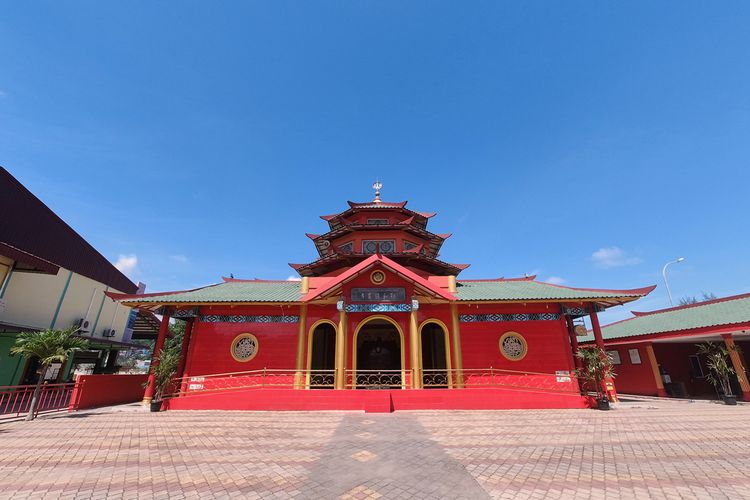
377	277
244	347
513	346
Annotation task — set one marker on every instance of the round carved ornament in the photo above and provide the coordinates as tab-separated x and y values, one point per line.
244	347
513	346
377	277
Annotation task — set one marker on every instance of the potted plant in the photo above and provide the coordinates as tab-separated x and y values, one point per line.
164	369
50	346
597	367
719	368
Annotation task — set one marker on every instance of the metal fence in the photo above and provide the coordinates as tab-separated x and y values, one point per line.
15	400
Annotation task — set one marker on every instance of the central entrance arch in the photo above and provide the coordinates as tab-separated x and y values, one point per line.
378	354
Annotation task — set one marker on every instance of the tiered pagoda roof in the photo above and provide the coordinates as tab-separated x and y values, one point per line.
378	227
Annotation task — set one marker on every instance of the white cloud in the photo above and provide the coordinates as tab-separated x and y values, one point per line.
608	257
294	278
179	258
127	264
556	280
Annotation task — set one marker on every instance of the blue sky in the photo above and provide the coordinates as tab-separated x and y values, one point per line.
586	142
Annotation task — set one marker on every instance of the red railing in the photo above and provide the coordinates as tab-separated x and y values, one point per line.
15	400
563	381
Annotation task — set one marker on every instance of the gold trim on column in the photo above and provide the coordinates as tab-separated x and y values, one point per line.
310	339
414	351
354	344
654	367
300	346
340	374
456	335
739	368
446	339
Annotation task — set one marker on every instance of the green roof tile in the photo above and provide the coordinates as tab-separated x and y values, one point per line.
232	291
726	311
533	290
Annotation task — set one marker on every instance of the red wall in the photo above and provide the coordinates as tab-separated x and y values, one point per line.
674	359
211	342
104	390
548	343
630	378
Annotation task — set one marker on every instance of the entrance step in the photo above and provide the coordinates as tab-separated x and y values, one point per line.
379	402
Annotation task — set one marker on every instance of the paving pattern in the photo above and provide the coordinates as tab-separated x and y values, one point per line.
640	450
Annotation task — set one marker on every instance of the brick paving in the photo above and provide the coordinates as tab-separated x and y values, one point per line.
641	450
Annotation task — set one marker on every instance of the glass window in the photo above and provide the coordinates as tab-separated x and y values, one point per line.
614	356
377	222
695	366
382	246
635	356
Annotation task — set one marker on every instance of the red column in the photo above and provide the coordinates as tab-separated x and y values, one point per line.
573	341
185	343
148	395
609	383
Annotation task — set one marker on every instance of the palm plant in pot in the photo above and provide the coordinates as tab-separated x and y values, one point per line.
164	371
597	367
720	368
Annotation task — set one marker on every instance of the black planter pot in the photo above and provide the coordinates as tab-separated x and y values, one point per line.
730	400
603	403
155	405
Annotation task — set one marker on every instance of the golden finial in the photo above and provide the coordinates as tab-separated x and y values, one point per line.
377	186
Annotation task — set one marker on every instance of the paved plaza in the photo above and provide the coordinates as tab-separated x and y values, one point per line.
643	449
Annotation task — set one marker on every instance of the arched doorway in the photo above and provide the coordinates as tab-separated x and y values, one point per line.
378	354
322	356
435	355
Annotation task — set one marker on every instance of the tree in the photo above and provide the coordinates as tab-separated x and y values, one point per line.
50	346
597	367
719	365
166	367
688	299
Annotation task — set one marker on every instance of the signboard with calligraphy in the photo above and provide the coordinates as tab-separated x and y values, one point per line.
378	294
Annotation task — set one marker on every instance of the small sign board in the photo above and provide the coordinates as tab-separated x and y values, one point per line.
563	376
395	294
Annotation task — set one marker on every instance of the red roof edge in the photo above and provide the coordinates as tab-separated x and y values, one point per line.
461	266
523	278
444	236
427	215
312	236
688	306
329	217
296	266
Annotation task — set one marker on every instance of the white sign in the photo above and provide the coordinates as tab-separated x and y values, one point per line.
195	387
197	379
563	376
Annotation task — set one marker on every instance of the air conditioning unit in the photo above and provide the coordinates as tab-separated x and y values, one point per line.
109	332
82	325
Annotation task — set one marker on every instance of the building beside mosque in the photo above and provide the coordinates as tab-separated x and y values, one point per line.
655	353
378	322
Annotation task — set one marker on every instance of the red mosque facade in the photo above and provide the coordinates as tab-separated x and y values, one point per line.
378	322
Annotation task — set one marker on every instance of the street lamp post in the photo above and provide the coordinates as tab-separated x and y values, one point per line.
664	274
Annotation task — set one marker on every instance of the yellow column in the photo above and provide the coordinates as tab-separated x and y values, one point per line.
299	375
739	368
340	376
414	345
456	335
655	370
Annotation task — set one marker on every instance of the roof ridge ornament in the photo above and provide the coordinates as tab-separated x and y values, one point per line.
377	186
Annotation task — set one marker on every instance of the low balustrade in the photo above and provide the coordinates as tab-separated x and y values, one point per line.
15	400
562	381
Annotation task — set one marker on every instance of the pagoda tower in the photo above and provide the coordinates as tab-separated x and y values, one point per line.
378	227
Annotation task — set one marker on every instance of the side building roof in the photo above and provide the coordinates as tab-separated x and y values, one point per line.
30	226
725	311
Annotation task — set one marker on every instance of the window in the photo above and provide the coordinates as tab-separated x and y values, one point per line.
614	356
244	347
696	369
377	222
635	356
513	346
408	245
347	247
378	246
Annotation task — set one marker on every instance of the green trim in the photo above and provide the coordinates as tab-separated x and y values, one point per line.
68	366
101	306
62	297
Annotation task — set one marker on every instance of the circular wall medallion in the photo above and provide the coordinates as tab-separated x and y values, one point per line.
513	346
377	277
244	347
